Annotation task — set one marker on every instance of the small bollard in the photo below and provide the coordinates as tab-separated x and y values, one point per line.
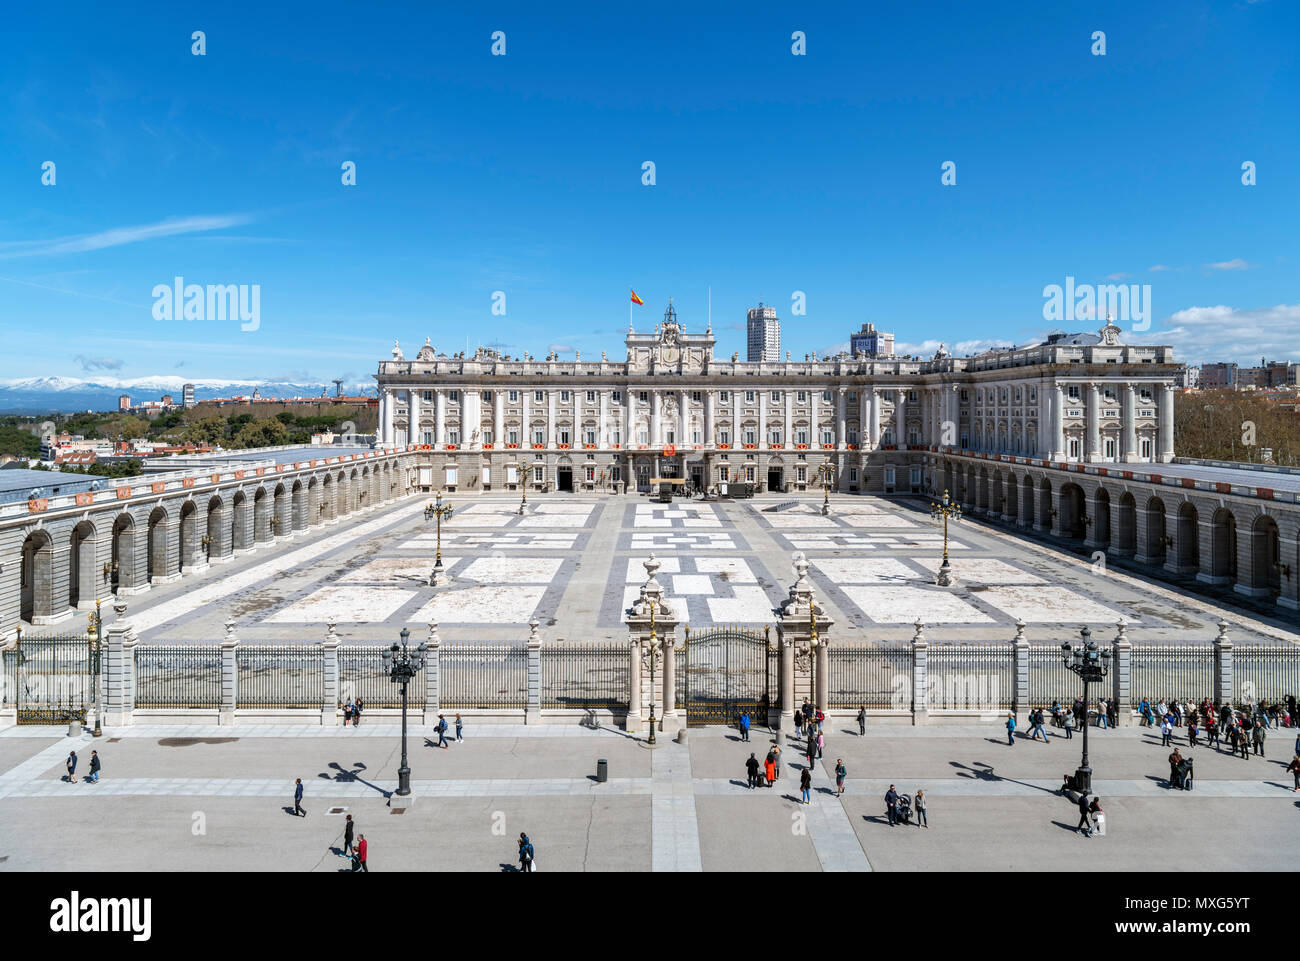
602	771
74	728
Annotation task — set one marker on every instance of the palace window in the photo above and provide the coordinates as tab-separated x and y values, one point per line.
643	436
749	397
697	396
776	397
513	396
749	474
887	436
1074	449
853	436
618	438
512	436
487	395
539	473
453	436
853	475
453	395
827	397
853	397
695	436
724	473
591	435
487	436
802	396
591	475
539	396
801	475
645	397
539	436
617	396
828	436
670	436
724	396
591	397
749	436
1110	448
724	436
801	435
1146	448
564	435
564	397
775	435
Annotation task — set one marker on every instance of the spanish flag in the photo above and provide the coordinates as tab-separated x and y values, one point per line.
636	299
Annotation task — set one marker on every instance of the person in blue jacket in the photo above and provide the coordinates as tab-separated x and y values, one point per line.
1011	729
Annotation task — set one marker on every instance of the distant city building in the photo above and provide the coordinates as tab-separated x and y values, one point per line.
1268	375
124	402
187	395
1191	378
872	342
167	400
1218	376
764	335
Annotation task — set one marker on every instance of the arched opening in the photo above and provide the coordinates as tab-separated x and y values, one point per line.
213	546
1189	541
281	511
122	569
982	490
1265	558
1027	501
188	542
1157	539
1044	510
1071	507
1100	517
298	505
36	579
156	552
325	509
262	526
1124	535
1223	547
240	525
1010	497
82	576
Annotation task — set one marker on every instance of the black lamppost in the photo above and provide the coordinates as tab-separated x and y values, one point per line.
654	645
402	665
438	511
1091	665
826	469
946	509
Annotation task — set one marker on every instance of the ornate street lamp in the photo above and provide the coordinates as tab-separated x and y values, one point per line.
523	501
1091	665
812	650
654	648
945	509
96	649
401	664
206	544
827	469
437	511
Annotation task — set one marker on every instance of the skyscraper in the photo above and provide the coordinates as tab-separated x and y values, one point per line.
764	329
187	395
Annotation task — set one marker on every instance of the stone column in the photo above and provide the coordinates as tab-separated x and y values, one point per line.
552	436
786	644
229	675
1131	453
799	619
433	675
641	646
710	432
1092	443
875	418
814	430
762	423
602	439
413	417
440	418
1121	669
526	429
1223	674
668	650
1165	433
533	714
119	669
1021	699
498	419
655	435
1058	424
920	676
841	425
329	709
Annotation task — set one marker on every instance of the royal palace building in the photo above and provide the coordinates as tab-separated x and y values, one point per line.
870	424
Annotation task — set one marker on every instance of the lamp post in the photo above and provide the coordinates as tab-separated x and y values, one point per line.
96	641
1091	665
523	501
437	511
812	650
654	645
401	665
826	469
206	544
945	509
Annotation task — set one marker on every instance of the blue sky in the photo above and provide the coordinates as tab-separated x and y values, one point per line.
775	173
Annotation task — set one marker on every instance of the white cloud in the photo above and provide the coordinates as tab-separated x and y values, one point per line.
1119	276
1207	334
1235	264
119	236
1159	267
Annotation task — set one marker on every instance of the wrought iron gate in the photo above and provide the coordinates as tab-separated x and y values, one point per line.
55	678
725	671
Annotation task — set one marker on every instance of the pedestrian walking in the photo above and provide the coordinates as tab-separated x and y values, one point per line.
1257	738
1098	818
1084	825
94	768
460	729
1175	769
811	751
297	799
769	769
862	721
1187	773
356	712
891	806
1069	725
1103	719
919	803
348	827
1294	768
821	719
798	723
821	740
805	783
1166	732
775	754
1036	719
840	773
1243	741
441	728
744	726
527	854
1011	729
72	767
363	850
751	767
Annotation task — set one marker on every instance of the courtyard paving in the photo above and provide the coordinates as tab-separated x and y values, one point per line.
220	799
576	563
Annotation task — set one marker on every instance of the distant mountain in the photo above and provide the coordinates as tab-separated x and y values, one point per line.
38	395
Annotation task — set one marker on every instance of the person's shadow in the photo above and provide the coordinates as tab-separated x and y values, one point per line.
1072	828
509	868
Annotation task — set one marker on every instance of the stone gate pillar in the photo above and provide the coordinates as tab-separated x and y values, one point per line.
433	675
804	625
229	675
119	669
652	633
1223	680
1122	675
329	709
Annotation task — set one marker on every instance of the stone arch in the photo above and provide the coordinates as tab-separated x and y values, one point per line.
298	505
1043	509
242	522
280	510
982	490
325	508
36	579
1099	516
1157	539
1223	547
83	579
1265	558
1027	501
1071	507
262	503
188	536
156	550
1188	545
122	571
212	531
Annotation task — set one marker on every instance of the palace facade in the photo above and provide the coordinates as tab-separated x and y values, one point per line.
670	408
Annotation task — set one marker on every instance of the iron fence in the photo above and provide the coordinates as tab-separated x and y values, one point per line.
1184	671
280	676
486	676
178	676
1265	672
8	679
971	677
872	677
55	677
1050	680
362	675
585	676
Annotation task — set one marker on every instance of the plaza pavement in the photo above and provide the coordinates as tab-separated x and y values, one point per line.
668	808
575	562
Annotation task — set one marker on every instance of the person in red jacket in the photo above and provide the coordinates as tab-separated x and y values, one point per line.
361	855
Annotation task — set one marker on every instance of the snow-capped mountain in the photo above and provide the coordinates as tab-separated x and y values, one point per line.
67	394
